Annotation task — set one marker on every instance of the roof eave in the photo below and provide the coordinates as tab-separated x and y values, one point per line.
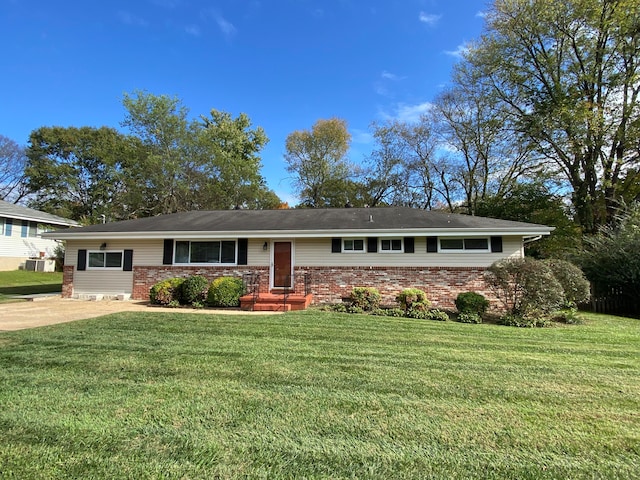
453	232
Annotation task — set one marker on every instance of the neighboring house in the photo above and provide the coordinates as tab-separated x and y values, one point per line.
321	252
21	238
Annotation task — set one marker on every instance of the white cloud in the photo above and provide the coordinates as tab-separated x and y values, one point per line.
429	18
381	86
482	14
129	19
389	76
226	27
361	136
193	30
403	112
459	51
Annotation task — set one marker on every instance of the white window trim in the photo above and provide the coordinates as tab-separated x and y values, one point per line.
206	264
391	239
364	245
121	252
463	250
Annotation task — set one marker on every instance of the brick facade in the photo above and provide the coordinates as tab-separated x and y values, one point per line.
441	284
331	284
145	277
67	281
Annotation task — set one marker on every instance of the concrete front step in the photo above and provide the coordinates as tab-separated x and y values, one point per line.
274	302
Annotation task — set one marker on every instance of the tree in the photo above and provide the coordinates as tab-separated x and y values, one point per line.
12	165
318	160
235	147
533	202
181	165
476	130
610	258
76	172
568	72
404	169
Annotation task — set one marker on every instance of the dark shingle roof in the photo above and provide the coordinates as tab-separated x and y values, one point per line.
11	210
306	220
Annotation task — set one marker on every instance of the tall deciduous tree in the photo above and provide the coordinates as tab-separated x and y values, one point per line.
317	158
182	164
568	70
12	165
476	131
76	172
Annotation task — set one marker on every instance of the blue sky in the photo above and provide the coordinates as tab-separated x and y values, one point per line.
285	63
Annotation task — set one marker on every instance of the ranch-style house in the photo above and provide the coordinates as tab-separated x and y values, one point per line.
305	255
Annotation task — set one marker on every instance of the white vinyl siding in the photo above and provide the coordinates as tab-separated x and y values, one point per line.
317	253
14	245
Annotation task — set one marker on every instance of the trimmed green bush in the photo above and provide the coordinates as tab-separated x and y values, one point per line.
437	314
472	302
526	321
225	292
469	317
525	286
193	290
575	285
413	296
365	298
166	292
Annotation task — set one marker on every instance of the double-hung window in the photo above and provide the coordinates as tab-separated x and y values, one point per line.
353	245
480	244
218	251
391	245
104	259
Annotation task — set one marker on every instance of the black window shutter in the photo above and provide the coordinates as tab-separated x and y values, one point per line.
336	245
409	245
127	265
167	256
243	246
82	260
432	244
496	244
372	244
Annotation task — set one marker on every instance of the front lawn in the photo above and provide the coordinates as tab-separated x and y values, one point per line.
22	282
319	395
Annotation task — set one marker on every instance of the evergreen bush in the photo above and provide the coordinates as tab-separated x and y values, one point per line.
166	292
365	298
193	290
225	292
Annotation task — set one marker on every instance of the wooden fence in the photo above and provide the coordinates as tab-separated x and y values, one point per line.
614	301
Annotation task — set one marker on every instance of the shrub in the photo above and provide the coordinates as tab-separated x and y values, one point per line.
469	317
525	286
389	312
437	314
339	308
365	298
166	292
225	292
530	321
472	302
570	316
410	296
193	290
574	284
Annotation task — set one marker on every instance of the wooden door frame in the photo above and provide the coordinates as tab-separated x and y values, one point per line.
272	269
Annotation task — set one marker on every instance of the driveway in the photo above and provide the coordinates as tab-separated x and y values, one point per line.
51	310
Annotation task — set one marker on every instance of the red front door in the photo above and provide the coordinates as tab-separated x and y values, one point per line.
282	264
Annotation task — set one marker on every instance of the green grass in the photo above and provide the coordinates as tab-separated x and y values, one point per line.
22	282
319	395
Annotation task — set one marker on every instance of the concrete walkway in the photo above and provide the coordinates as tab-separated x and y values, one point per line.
49	310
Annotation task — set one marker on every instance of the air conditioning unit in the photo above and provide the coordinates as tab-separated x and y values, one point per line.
40	265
